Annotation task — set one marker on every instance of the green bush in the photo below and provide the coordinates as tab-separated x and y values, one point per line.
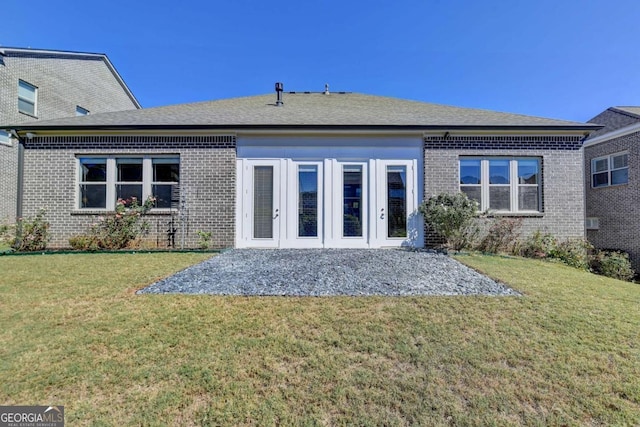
452	216
614	264
537	245
117	230
32	234
502	235
576	253
204	239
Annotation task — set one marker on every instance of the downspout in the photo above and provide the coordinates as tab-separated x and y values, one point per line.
20	178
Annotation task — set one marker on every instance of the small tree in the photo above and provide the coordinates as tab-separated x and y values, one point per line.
453	217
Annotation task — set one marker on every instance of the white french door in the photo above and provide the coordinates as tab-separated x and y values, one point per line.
327	203
395	221
262	199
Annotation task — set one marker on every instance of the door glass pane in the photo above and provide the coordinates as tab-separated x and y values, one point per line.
352	201
308	201
396	201
263	202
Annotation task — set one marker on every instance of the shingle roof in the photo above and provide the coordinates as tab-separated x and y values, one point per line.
631	110
304	110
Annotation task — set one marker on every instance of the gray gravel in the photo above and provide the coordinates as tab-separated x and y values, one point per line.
327	272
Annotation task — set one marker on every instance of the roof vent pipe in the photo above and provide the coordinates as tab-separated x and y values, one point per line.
326	88
279	89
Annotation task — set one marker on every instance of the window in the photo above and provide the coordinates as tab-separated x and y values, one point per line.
610	170
5	138
502	184
103	180
27	98
81	111
592	223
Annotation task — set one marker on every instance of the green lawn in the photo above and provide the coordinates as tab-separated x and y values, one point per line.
75	334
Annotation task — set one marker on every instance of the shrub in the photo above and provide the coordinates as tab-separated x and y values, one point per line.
502	235
32	234
204	239
452	216
117	230
574	252
614	264
537	245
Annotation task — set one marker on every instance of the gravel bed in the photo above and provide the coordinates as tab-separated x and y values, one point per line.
329	272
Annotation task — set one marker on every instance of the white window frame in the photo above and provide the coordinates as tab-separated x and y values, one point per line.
112	175
34	102
610	169
81	111
514	185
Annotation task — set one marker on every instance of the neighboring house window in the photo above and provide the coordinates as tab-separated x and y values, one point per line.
103	180
81	111
27	98
593	223
502	184
5	138
610	170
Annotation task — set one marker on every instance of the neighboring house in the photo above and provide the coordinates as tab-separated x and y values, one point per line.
612	180
40	85
302	169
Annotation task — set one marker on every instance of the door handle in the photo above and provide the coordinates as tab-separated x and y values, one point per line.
382	213
276	214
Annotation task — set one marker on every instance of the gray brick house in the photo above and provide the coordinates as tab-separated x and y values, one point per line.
40	85
612	182
302	169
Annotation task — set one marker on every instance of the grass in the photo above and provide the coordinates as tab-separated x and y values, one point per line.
75	334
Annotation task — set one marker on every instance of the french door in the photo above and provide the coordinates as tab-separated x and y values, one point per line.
327	203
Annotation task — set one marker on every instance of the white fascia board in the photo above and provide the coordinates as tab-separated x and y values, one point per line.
628	130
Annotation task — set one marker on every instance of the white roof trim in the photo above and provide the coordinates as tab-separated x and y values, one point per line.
627	130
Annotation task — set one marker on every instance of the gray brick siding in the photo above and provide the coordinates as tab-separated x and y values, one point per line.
63	83
207	182
562	175
617	207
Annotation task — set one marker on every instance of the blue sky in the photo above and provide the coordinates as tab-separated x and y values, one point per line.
565	59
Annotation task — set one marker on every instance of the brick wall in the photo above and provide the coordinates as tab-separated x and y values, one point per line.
562	175
207	182
63	83
617	207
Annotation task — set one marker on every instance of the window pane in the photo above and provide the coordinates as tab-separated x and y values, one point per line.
396	201
528	172
93	196
620	176
308	201
93	170
26	107
26	92
352	202
167	195
166	170
129	191
4	136
129	170
81	111
500	198
469	171
600	165
528	199
473	193
601	179
263	202
499	172
620	161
